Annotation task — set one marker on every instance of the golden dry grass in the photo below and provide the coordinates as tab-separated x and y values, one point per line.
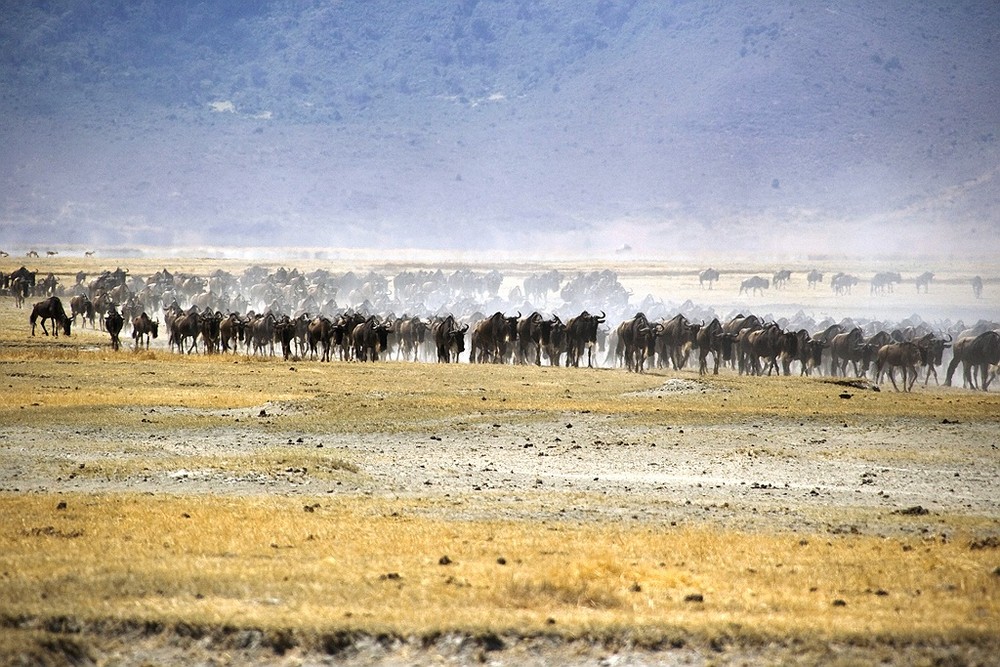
321	564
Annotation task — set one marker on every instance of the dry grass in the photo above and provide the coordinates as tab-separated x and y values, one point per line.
322	565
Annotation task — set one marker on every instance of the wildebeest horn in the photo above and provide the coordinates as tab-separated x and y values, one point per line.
602	317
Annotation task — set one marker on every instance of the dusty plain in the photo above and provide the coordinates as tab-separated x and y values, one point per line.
169	509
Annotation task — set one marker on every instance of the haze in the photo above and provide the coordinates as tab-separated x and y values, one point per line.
545	129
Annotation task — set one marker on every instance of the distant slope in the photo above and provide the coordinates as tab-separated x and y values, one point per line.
481	124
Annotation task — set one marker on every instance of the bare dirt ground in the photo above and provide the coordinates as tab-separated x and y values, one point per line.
769	475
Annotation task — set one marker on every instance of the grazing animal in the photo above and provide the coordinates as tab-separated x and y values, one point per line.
843	283
712	339
674	340
781	278
977	287
978	353
883	282
754	285
113	324
581	336
636	339
449	339
50	309
849	347
904	355
708	276
144	328
924	281
813	278
82	305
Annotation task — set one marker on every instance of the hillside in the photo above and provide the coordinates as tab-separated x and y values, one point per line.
479	124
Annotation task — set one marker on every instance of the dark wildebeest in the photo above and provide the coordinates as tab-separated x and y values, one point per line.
781	278
932	354
185	325
142	326
113	324
82	305
211	331
809	352
763	343
323	333
581	336
849	347
530	333
674	341
737	328
754	285
898	355
556	344
636	339
370	338
813	278
712	339
50	309
232	330
490	338
975	353
708	276
923	281
449	339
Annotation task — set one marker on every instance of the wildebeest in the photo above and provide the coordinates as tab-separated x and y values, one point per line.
932	353
113	324
708	276
977	287
183	326
232	330
449	338
764	343
50	309
532	334
491	337
371	337
81	305
321	336
905	355
813	277
144	327
923	281
581	336
977	353
843	283
674	341
883	282
781	278
754	285
635	340
412	334
849	347
712	339
538	286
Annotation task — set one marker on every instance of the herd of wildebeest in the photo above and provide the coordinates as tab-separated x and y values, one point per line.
351	317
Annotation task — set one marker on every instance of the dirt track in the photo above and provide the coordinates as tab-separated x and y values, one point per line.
762	474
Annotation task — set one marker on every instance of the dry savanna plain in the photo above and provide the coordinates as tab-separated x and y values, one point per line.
169	509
